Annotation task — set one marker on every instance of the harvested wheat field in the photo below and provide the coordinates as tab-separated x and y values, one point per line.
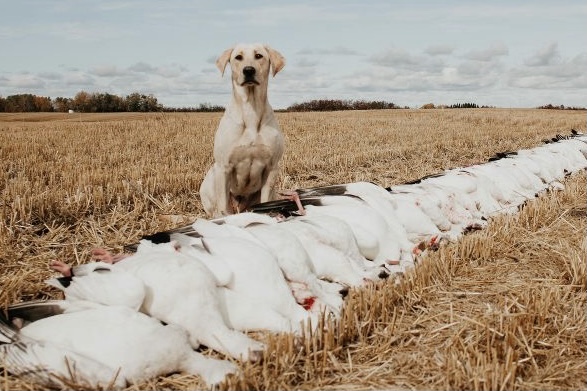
504	308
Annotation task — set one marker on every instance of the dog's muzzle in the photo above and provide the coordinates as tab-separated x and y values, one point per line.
249	74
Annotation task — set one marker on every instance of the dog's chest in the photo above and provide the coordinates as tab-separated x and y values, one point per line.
250	154
263	145
248	168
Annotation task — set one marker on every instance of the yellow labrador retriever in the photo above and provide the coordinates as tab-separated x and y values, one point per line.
248	144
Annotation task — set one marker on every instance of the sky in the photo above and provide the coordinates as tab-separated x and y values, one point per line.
501	53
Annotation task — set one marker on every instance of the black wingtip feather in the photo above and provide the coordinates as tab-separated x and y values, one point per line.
8	333
130	248
322	191
289	208
32	311
502	155
158	237
64	281
416	181
286	208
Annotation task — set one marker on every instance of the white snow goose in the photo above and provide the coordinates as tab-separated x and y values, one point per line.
293	260
501	179
178	290
97	346
368	213
379	199
256	296
419	215
330	262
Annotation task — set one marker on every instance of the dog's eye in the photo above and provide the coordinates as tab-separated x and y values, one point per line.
258	56
238	57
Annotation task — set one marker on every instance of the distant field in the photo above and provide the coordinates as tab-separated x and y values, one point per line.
72	182
73	117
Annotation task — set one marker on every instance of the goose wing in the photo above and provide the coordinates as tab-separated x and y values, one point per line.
31	311
41	362
104	284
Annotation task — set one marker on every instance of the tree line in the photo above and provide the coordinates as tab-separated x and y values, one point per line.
85	102
338	105
96	102
560	107
99	102
456	106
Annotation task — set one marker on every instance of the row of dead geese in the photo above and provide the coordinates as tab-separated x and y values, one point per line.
207	283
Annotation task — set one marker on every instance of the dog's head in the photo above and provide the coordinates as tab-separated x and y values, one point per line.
250	63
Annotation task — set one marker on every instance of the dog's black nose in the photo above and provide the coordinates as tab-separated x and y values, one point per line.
249	71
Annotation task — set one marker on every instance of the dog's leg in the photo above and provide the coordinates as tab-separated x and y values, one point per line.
215	191
222	191
207	189
267	193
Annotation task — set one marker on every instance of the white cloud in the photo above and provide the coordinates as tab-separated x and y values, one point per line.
439	50
449	78
50	76
335	51
106	71
142	67
209	70
24	80
79	80
399	58
518	10
85	32
488	54
547	69
287	13
170	72
305	63
117	5
438	71
396	58
548	55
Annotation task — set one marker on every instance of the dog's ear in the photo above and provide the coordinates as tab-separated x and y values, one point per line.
223	60
275	59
